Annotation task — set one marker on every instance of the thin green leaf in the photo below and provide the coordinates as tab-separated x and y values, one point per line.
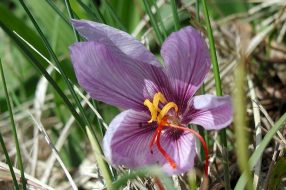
59	12
90	11
153	22
113	15
14	131
175	14
15	183
43	71
54	57
258	152
216	72
70	12
164	31
16	24
277	173
98	13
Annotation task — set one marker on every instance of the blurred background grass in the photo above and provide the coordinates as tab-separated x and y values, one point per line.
255	27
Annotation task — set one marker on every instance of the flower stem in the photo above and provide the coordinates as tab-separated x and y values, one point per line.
214	61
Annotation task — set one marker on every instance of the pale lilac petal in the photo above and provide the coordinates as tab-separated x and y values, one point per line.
125	42
211	112
127	142
183	151
111	76
187	61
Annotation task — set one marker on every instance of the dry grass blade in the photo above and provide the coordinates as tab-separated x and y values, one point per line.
32	182
258	134
48	140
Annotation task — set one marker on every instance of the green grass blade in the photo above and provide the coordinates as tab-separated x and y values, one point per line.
153	22
43	71
175	14
98	13
15	23
262	146
164	31
198	10
59	12
14	130
105	171
214	61
15	183
89	11
54	57
70	12
113	15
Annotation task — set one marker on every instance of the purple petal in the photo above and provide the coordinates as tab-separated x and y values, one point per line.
211	112
127	142
122	40
187	60
114	78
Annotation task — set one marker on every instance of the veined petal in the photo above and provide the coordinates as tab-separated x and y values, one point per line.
122	40
127	142
211	112
184	152
111	76
187	60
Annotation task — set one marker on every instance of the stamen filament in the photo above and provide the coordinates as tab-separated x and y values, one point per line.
152	109
166	109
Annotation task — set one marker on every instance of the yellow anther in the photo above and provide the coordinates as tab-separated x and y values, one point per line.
159	97
166	109
152	109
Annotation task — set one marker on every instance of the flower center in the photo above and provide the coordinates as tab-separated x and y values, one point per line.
164	119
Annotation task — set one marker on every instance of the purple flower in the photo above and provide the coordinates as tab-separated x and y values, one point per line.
159	100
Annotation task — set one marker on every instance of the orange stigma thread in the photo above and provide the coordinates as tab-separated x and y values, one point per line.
205	147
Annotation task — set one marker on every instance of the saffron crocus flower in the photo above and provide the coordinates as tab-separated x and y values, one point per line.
158	99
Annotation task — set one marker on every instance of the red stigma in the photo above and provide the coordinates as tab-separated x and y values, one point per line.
156	140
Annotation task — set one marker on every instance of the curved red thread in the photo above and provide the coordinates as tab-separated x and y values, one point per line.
156	139
160	185
165	154
205	147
